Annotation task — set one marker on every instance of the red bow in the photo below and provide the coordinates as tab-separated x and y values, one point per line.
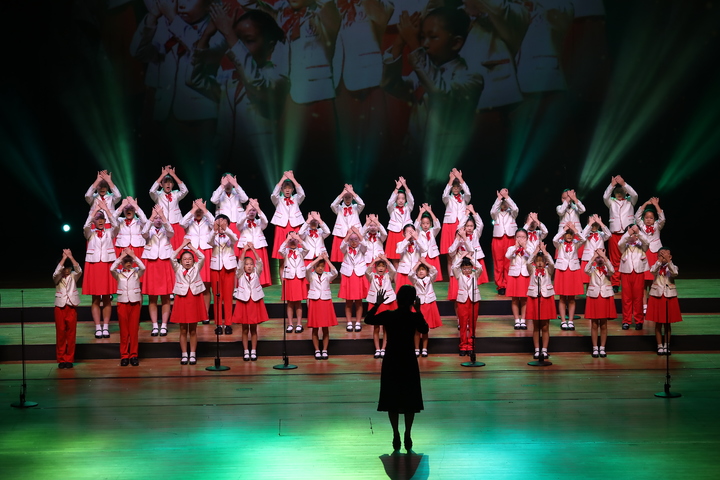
520	251
347	211
313	233
292	254
568	246
157	231
251	223
292	23
352	251
532	236
469	237
379	279
372	236
288	201
169	197
595	236
128	222
458	197
539	271
649	229
401	209
602	270
222	235
99	233
348	10
428	234
410	247
181	50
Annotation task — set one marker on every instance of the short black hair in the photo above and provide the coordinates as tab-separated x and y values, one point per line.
222	216
466	262
455	21
271	31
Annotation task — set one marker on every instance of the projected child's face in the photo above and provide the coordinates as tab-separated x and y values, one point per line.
252	37
192	11
440	45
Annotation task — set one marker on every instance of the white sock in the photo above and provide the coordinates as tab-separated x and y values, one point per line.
155	325
106	326
164	325
192	354
98	328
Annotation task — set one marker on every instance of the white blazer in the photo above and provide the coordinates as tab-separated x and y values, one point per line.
633	254
100	246
190	281
130	234
652	232
169	202
546	285
467	285
621	211
535	236
128	281
198	232
504	222
294	264
474	239
409	251
424	286
374	243
249	288
229	204
157	245
518	261
600	283
252	230
111	198
455	205
66	292
569	212
566	259
347	216
593	241
385	282
287	210
319	285
400	216
427	239
353	262
223	250
314	239
664	282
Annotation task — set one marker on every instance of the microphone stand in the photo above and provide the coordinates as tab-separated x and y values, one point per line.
218	367
286	365
542	359
473	357
666	393
22	403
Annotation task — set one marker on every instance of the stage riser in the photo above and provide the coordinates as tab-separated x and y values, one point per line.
275	310
273	348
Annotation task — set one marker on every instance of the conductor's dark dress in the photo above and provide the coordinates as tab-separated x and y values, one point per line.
400	389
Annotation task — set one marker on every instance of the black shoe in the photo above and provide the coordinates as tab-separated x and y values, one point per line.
98	333
124	362
616	289
501	291
638	326
626	326
218	330
463	353
134	361
408	442
206	322
68	365
396	443
228	330
61	365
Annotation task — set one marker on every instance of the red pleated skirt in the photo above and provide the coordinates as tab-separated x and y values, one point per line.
569	282
205	270
391	245
663	310
447	235
335	253
98	280
321	313
159	278
435	262
547	308
138	251
600	307
517	286
353	287
385	306
188	308
179	236
265	279
250	312
280	235
432	314
651	259
483	278
453	288
293	290
400	280
233	227
586	277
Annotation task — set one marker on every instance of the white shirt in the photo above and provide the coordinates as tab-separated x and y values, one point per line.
400	216
66	292
248	286
621	211
319	285
128	281
664	282
314	239
157	245
229	204
600	283
223	250
504	221
383	283
169	202
455	204
347	215
198	231
424	286
252	230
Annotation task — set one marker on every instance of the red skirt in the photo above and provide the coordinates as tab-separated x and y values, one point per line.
159	278
663	310
385	306
293	290
179	236
483	278
250	312
600	307
586	277
321	313
280	235
98	280
432	314
435	262
188	308
265	279
447	235
547	308
517	286
205	270
138	251
233	227
651	259
353	287
335	253
400	280
393	239
453	288
569	282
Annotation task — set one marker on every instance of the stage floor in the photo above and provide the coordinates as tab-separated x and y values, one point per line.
579	418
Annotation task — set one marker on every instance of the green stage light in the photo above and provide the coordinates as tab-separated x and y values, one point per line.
66	228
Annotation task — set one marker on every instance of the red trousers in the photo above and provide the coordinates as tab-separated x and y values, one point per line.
632	297
223	283
65	333
501	264
615	257
467	314
129	321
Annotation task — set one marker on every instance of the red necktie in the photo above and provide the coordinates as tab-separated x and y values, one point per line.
347	211
292	23
185	272
568	246
458	197
402	210
649	229
128	222
539	271
248	277
169	197
520	251
352	251
663	270
532	236
411	247
251	223
469	237
181	50
292	254
602	270
99	233
313	233
288	201
428	234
